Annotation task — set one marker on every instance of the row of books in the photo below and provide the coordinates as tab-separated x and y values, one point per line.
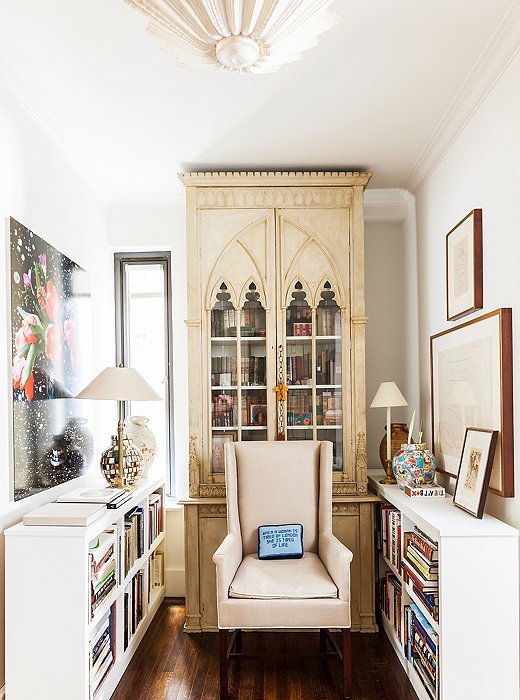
389	533
155	572
252	371
155	516
222	320
102	555
421	645
328	320
390	600
102	651
133	606
224	323
133	537
299	408
224	409
297	315
328	408
328	367
299	368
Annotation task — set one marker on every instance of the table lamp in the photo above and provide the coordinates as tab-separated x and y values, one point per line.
388	395
120	384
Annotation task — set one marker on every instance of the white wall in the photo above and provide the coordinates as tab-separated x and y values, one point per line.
480	170
41	191
391	334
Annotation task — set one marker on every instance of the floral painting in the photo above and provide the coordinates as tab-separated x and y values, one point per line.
50	320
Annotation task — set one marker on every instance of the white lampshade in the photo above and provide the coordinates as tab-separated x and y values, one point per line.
119	384
388	395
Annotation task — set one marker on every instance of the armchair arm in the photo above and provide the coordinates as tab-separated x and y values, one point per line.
227	559
336	558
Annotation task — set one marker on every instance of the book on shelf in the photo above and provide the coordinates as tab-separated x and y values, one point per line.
423	543
65	514
433	491
391	600
157	570
421	642
83	495
415	577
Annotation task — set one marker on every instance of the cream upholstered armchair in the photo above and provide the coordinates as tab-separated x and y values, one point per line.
274	483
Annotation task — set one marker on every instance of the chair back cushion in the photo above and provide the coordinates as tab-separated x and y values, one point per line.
277	483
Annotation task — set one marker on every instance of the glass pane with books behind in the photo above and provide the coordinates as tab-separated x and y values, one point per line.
329	421
252	379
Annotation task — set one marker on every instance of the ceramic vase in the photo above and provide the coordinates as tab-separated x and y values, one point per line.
136	428
398	435
132	462
414	465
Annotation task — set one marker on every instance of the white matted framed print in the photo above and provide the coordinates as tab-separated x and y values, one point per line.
476	463
218	440
471	369
464	292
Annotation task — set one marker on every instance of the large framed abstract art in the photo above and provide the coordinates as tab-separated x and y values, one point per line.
51	356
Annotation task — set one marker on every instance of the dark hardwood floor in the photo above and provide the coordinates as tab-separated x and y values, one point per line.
172	665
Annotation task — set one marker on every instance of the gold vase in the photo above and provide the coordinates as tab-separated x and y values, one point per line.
399	436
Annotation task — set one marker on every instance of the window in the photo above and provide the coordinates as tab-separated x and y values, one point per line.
144	341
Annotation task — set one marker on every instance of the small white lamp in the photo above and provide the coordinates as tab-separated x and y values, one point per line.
388	395
119	384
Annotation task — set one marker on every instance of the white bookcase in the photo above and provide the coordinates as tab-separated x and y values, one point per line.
478	625
48	622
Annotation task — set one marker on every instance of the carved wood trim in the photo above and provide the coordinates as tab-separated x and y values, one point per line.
246	179
211	491
361	459
213	511
193	468
344	489
274	197
192	322
345	509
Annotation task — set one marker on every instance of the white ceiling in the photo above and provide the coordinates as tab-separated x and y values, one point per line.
386	90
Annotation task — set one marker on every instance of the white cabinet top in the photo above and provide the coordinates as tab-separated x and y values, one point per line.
439	514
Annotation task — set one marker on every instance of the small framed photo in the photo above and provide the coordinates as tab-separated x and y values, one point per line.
258	414
475	467
464	266
218	440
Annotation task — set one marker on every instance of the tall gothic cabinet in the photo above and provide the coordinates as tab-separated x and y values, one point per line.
276	337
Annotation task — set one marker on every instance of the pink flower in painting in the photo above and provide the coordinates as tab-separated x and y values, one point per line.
27	278
52	301
70	336
24	335
52	343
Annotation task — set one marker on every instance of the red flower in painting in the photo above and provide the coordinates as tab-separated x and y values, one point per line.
52	301
25	335
18	368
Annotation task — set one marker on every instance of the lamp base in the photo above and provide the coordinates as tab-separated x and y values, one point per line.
390	478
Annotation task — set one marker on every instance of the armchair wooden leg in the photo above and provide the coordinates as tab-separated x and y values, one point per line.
238	643
223	643
347	665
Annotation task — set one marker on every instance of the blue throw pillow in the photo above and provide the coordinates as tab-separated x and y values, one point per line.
280	542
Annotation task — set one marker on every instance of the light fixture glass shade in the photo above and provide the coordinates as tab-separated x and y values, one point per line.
256	36
388	395
119	384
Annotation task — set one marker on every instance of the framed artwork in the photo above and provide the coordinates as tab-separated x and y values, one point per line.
51	356
464	266
218	440
476	463
471	369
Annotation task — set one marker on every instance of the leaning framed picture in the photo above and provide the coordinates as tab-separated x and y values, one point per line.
464	266
471	368
218	440
476	463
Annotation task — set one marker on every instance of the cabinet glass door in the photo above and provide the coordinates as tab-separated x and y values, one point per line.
253	380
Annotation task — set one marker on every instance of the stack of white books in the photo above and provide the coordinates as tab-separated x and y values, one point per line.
110	497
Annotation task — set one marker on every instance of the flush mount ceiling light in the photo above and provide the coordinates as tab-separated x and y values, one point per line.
245	36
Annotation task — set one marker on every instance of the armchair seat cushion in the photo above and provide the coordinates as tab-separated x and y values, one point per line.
266	579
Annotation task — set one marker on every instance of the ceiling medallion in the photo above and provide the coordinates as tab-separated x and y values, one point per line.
242	36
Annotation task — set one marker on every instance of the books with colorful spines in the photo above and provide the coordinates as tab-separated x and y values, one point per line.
429	564
433	491
431	573
411	574
427	546
429	600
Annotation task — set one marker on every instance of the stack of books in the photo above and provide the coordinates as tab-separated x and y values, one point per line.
102	568
111	497
299	368
421	643
329	320
420	566
134	537
101	649
154	517
224	410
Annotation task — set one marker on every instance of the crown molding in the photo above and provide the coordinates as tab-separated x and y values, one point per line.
20	82
387	205
500	50
267	178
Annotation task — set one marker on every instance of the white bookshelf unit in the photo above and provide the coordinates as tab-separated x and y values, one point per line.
49	625
478	589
